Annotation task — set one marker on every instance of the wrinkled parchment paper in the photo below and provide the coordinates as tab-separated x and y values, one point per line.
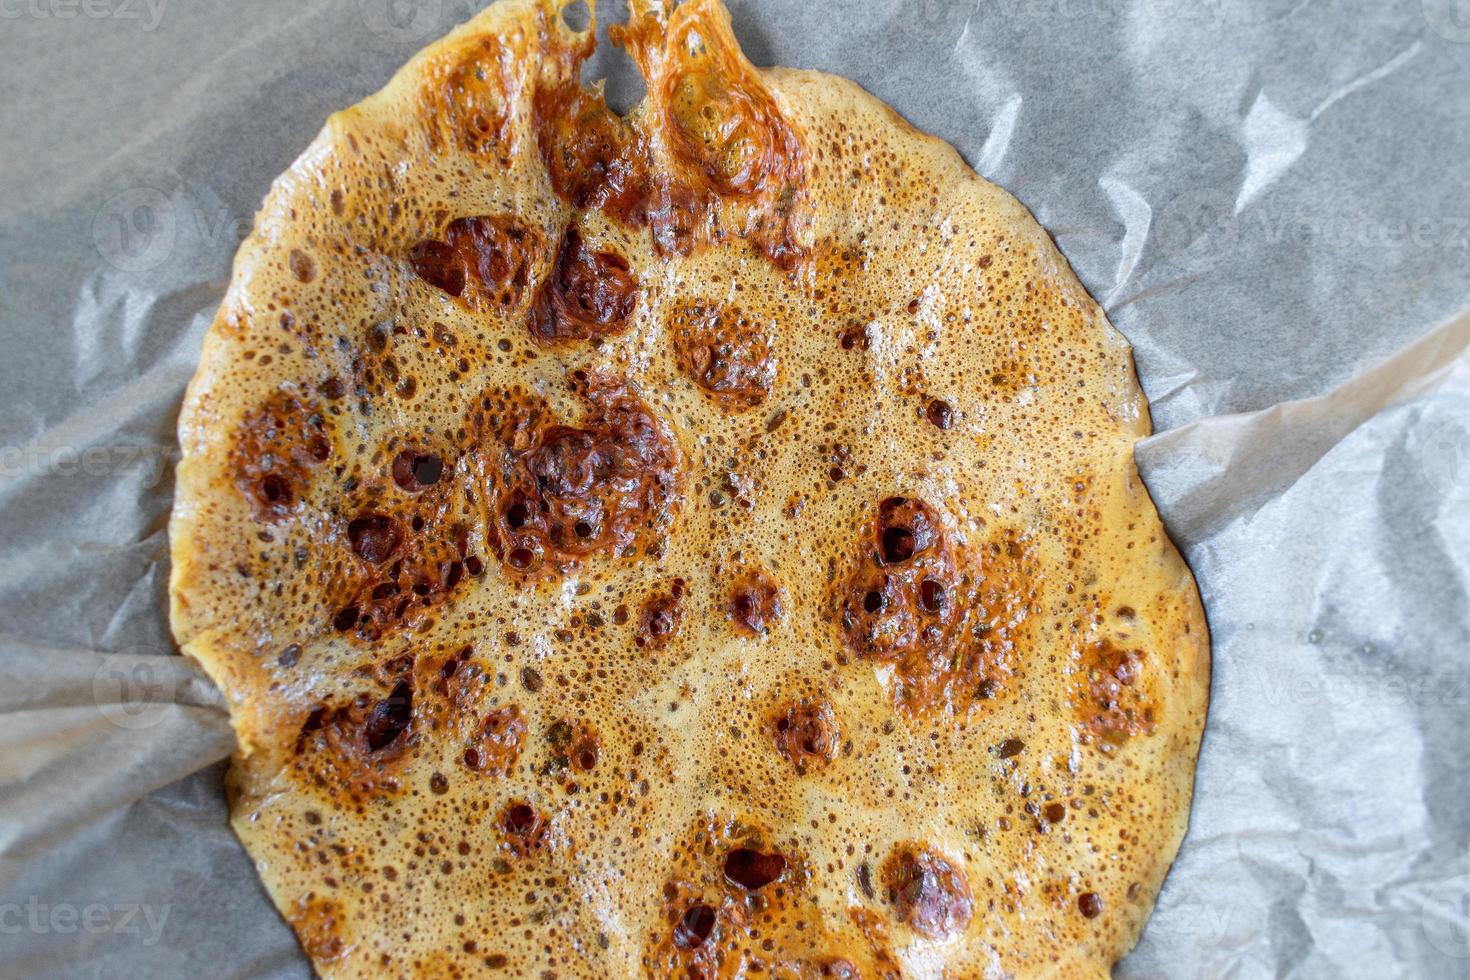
1270	197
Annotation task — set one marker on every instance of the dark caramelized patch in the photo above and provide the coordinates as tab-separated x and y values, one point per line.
1113	696
360	746
277	451
595	158
806	733
729	134
522	828
589	294
658	620
415	471
694	927
374	537
927	892
496	746
410	552
573	744
724	352
606	485
321	925
756	604
598	160
752	869
907	529
733	148
485	261
898	599
389	718
951	623
465	99
725	124
734	904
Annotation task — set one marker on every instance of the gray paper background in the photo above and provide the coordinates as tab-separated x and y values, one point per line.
1270	197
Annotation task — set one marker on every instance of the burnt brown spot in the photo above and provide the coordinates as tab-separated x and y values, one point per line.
928	893
485	261
346	619
585	755
374	537
752	869
519	819
1089	904
953	622
695	926
595	159
726	125
906	529
467	99
724	352
361	745
575	744
590	294
605	486
896	601
303	267
806	733
522	828
439	265
277	451
413	548
1113	695
414	471
731	140
389	718
320	924
755	602
497	744
1010	748
659	619
939	414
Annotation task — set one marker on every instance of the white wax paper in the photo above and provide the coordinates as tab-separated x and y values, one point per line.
1270	197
